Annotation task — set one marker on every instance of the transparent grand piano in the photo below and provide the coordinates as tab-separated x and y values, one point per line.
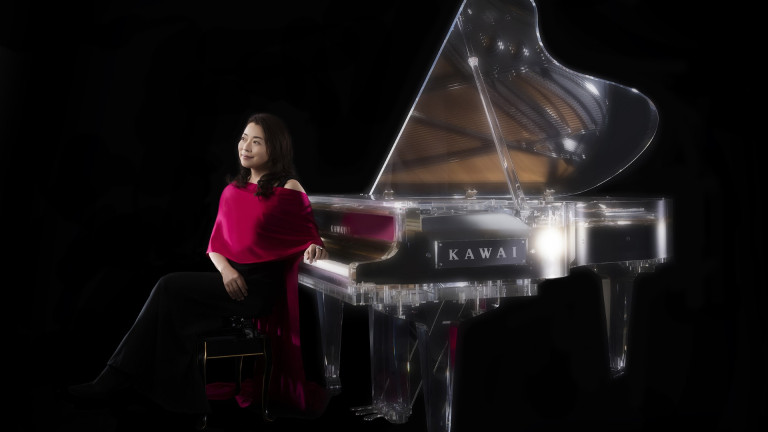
482	197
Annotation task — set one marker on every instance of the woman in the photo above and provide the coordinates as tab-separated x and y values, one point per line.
264	227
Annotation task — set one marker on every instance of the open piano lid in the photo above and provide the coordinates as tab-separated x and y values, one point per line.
498	117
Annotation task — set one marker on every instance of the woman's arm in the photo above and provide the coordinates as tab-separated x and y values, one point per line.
234	282
314	252
220	261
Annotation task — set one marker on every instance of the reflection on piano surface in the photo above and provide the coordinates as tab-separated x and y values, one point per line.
479	199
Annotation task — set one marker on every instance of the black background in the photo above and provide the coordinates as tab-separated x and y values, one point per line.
119	124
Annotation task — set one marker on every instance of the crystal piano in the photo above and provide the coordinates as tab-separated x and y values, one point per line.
482	197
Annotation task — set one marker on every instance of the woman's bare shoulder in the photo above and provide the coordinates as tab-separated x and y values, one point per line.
294	185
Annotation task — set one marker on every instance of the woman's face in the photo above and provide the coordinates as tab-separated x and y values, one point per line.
253	147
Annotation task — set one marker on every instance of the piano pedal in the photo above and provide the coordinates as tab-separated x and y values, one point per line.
363	410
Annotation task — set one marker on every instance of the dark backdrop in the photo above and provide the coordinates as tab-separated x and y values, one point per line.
119	124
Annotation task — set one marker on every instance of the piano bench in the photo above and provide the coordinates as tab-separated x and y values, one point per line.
236	342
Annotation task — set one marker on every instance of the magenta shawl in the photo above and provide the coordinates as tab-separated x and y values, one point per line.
252	229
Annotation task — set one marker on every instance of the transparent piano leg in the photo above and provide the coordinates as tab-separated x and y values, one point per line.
411	354
618	286
394	367
437	345
330	315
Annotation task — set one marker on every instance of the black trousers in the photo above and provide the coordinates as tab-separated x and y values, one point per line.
159	352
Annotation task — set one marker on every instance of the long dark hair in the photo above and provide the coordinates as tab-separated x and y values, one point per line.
279	151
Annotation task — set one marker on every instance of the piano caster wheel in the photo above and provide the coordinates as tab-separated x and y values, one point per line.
268	417
201	422
333	386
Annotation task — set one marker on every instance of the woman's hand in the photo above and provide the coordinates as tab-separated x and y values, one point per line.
234	283
314	253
